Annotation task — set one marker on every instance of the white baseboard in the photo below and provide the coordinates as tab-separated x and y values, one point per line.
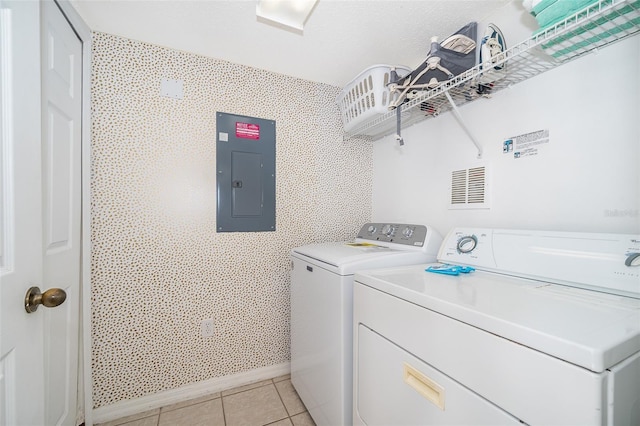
184	393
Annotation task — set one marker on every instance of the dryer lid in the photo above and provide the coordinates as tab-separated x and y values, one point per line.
591	329
338	253
345	258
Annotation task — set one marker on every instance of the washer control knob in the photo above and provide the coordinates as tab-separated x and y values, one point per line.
388	230
467	243
633	259
407	232
372	229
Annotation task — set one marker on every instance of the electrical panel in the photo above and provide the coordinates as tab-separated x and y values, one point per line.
246	173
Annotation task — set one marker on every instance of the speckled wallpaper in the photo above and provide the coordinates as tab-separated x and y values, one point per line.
158	266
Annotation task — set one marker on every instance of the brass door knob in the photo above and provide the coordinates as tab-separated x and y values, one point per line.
50	298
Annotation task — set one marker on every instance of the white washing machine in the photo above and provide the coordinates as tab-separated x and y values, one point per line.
321	309
545	331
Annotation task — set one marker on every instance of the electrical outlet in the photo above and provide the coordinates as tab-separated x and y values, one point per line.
206	328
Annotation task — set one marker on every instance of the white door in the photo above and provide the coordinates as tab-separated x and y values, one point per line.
40	212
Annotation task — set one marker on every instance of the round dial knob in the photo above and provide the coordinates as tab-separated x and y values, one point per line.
388	230
371	229
407	232
467	243
633	259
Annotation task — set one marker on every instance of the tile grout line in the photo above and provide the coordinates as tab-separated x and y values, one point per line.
281	400
224	415
285	405
286	410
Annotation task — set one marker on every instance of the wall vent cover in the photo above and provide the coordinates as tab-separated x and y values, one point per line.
469	188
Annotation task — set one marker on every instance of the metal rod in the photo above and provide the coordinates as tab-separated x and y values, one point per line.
399	125
454	107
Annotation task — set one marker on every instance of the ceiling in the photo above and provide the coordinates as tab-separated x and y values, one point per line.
341	37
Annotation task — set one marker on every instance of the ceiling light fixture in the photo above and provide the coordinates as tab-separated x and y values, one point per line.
287	14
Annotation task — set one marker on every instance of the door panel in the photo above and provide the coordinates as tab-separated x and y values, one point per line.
21	342
7	389
62	107
40	122
58	156
59	365
246	178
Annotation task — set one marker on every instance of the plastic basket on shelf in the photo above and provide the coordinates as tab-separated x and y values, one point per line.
366	95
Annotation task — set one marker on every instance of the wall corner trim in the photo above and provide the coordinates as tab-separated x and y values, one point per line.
184	393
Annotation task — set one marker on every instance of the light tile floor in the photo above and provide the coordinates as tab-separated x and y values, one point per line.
271	402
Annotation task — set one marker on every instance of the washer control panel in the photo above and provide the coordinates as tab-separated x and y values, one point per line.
397	233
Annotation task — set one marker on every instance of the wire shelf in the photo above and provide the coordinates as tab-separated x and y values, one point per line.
594	27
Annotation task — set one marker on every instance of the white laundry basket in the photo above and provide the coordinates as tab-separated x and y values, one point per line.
366	95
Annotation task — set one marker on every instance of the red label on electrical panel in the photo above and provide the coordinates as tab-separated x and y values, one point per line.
247	130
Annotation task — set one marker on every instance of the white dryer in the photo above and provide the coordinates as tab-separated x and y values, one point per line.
545	331
321	309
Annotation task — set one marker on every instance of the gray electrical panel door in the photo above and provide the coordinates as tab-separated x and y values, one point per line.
246	173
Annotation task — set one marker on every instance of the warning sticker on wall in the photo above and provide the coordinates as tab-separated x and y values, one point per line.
247	130
525	145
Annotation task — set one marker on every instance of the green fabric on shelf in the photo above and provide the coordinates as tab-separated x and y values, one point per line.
596	38
593	24
582	31
560	10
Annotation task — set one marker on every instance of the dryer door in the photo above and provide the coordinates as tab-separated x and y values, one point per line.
395	388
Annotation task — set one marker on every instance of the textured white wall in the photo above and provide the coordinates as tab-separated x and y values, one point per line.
158	267
341	38
585	179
